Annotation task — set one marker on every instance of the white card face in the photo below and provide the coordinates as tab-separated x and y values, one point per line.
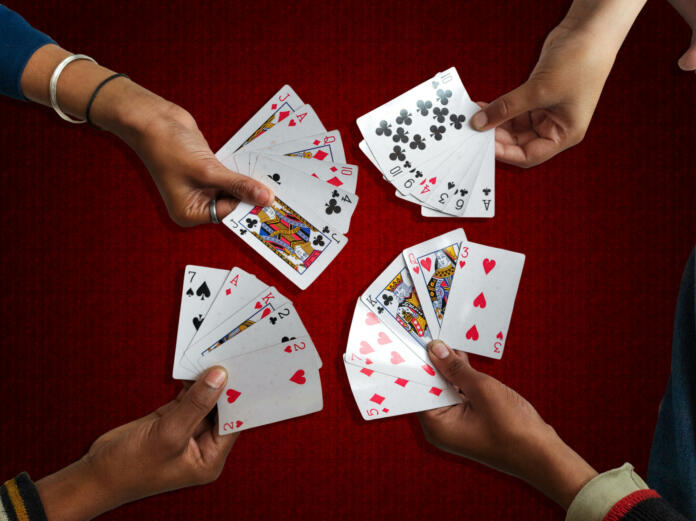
334	205
432	265
481	299
269	385
275	110
295	241
239	288
303	122
338	175
373	345
325	146
393	298
250	314
379	395
482	202
201	285
280	326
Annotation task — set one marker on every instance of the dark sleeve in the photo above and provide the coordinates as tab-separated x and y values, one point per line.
643	505
18	42
19	500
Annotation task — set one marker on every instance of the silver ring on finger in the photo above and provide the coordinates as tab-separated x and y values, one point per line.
213	211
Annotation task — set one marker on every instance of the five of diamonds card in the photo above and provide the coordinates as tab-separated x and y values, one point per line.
286	146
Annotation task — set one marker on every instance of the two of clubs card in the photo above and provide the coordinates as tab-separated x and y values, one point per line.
445	288
423	144
286	147
232	319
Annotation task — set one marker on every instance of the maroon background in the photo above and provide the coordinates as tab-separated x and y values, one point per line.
91	270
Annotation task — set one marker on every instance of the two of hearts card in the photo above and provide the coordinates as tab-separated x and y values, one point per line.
286	147
232	319
445	288
423	144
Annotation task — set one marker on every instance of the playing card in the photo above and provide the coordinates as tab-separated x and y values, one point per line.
324	146
339	175
269	385
432	265
393	298
373	345
200	287
294	240
379	395
334	205
481	299
280	106
482	202
303	122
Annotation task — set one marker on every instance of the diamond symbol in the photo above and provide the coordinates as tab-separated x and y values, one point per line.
315	175
274	106
335	181
435	391
401	382
320	155
333	168
316	141
385	410
377	399
228	291
366	371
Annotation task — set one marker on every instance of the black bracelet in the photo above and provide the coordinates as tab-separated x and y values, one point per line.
96	91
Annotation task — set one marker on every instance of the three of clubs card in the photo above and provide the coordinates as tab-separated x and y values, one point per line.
445	288
423	144
232	319
286	147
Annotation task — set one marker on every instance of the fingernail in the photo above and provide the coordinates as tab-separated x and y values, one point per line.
262	195
439	349
216	377
479	120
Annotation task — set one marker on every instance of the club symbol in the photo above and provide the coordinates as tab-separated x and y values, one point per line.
457	120
407	164
387	299
463	192
398	153
424	106
251	222
332	207
242	231
383	129
443	96
400	136
318	240
418	174
418	142
440	114
275	177
273	320
436	132
404	117
335	193
380	309
325	229
435	84
286	339
486	191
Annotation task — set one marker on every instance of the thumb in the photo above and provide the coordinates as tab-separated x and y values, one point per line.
454	365
506	107
241	187
688	60
195	404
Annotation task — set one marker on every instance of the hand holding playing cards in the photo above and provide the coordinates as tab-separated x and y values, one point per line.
497	427
171	448
551	111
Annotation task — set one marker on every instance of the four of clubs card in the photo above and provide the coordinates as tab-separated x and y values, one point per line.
445	288
286	147
423	144
232	319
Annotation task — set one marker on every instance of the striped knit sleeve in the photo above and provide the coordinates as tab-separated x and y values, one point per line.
20	501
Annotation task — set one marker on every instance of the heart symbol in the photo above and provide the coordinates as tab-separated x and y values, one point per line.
488	265
239	423
371	319
232	395
288	349
480	301
433	180
428	369
396	358
265	312
462	264
427	263
368	361
292	123
365	348
283	115
416	269
298	377
472	334
382	338
499	335
257	305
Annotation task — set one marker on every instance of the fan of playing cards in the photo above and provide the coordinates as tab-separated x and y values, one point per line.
232	319
404	309
286	147
423	144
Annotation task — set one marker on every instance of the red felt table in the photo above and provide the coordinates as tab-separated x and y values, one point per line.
91	266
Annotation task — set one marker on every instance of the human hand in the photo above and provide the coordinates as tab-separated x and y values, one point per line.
497	427
687	8
174	447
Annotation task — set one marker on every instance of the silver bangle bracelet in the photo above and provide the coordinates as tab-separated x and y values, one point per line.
54	83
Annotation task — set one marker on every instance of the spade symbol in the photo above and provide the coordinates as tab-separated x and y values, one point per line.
275	177
450	185
203	291
189	292
197	321
486	191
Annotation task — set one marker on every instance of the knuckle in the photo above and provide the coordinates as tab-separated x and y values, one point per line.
198	402
505	107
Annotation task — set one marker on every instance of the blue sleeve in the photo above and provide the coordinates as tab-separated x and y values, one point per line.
18	42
